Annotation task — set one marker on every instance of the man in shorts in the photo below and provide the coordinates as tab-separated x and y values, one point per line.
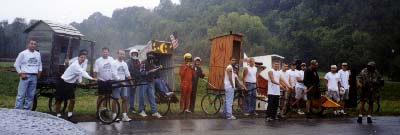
287	88
332	85
311	80
344	74
300	88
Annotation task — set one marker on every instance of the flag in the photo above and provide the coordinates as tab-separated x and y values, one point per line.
174	39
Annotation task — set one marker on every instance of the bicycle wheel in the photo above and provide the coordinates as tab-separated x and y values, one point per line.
104	111
52	105
237	105
163	106
211	104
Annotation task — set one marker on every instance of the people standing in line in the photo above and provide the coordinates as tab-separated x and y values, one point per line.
344	74
300	88
287	88
250	81
66	85
332	86
273	92
311	80
147	72
28	65
370	81
230	78
134	69
121	70
186	72
198	73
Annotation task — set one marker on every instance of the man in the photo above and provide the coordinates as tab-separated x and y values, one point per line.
250	81
29	67
186	73
370	82
273	92
121	69
332	85
147	71
292	75
66	86
198	73
300	88
230	85
287	88
75	59
344	74
159	83
134	69
311	80
103	71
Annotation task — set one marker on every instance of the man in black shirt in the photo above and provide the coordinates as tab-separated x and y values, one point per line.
311	80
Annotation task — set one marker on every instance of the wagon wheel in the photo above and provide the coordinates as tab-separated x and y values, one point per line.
211	104
52	105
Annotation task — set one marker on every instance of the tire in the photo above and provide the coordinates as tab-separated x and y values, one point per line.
164	107
104	113
211	104
52	105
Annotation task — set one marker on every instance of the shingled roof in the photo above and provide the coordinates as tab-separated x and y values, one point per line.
58	28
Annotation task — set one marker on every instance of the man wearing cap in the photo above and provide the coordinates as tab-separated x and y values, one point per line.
198	73
186	73
370	82
344	74
311	81
134	69
332	85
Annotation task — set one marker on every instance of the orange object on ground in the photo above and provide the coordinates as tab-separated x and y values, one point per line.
327	103
186	74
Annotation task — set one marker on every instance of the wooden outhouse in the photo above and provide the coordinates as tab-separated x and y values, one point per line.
56	42
222	49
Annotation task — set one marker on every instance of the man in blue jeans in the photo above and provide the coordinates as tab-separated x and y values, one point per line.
134	69
250	80
147	70
229	82
29	66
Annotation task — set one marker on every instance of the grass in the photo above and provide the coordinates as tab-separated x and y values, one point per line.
86	100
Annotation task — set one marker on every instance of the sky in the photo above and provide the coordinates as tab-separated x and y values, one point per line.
66	11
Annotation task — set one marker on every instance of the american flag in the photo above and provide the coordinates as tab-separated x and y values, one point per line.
174	39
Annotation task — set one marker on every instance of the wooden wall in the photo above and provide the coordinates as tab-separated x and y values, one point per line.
221	50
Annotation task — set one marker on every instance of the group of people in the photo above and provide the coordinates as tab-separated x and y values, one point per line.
299	82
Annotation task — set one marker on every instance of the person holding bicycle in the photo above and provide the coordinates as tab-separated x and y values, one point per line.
273	92
286	87
66	85
250	80
121	69
370	82
230	85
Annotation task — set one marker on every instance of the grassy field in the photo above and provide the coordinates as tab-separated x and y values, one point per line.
86	100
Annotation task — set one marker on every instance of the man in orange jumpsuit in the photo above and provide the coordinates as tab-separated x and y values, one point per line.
186	72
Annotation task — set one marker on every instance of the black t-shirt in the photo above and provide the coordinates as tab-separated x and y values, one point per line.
311	78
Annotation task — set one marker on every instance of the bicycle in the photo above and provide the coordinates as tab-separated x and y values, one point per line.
47	90
166	104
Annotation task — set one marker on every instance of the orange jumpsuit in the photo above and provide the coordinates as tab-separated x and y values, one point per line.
186	73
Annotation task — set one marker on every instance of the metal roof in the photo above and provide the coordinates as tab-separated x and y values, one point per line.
57	28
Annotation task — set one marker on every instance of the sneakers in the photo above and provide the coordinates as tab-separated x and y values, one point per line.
300	112
269	119
336	113
246	114
188	111
231	118
133	111
255	114
359	120
73	121
126	119
115	115
342	112
369	120
169	93
158	115
143	114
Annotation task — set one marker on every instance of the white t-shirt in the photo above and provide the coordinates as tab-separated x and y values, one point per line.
292	75
300	74
103	67
121	69
344	78
274	89
251	76
75	59
227	83
74	73
333	80
285	76
28	62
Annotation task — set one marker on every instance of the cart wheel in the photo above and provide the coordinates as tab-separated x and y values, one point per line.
163	106
104	111
211	104
52	105
237	105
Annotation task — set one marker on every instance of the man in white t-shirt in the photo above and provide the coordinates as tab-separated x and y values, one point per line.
229	83
300	88
344	74
250	80
292	74
332	85
29	67
286	87
273	92
103	72
75	59
121	70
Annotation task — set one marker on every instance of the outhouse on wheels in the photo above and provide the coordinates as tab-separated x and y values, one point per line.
222	49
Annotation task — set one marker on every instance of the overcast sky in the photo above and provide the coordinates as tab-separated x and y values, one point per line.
66	11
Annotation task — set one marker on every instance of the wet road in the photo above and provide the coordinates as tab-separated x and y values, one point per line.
338	126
